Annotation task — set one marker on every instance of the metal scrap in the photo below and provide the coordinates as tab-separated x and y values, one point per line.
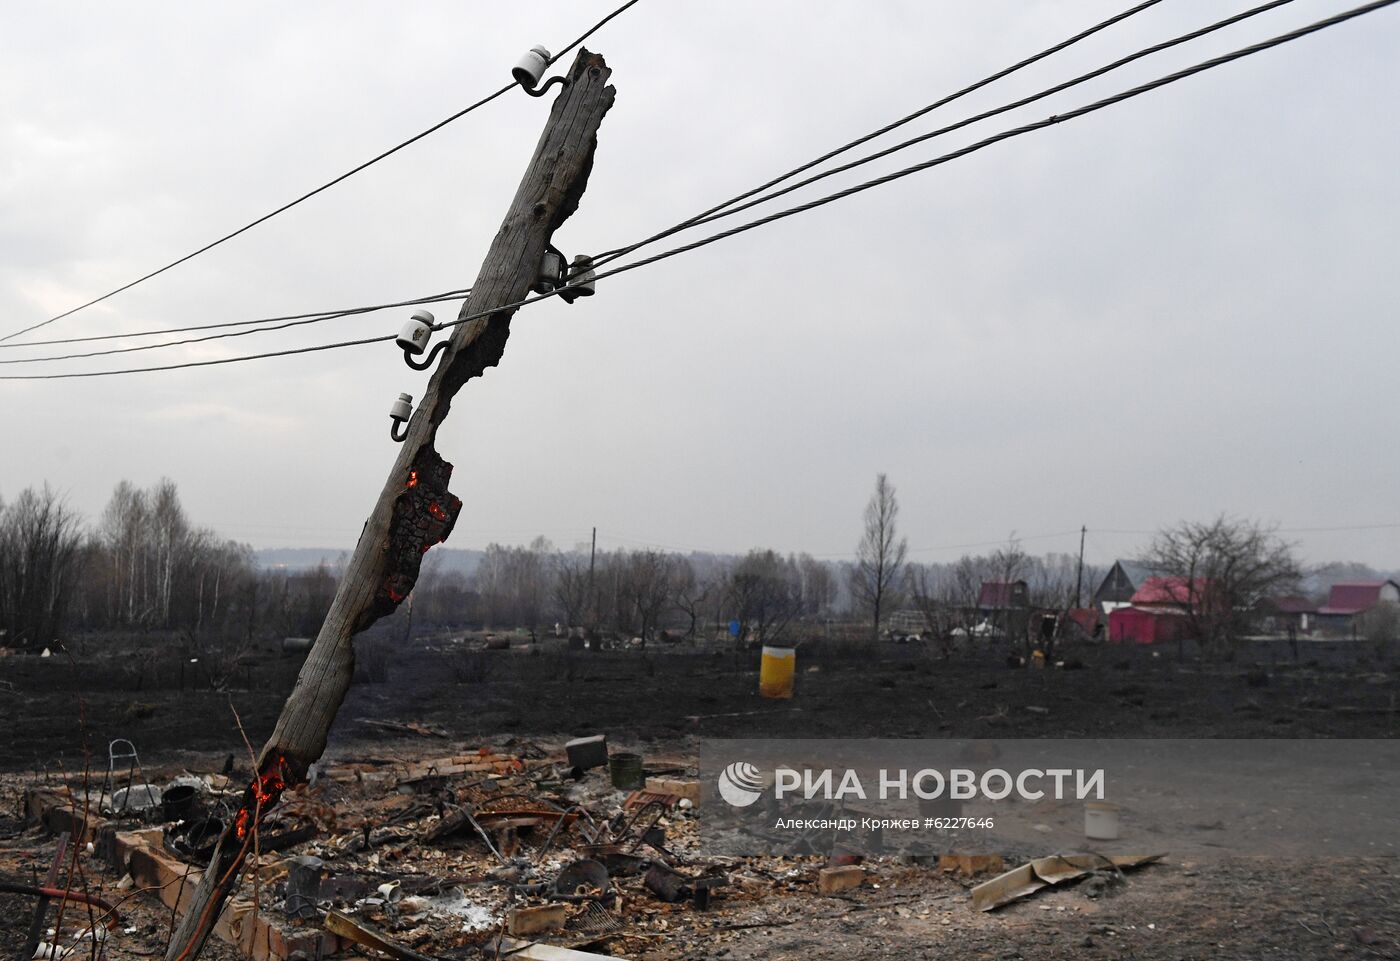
1043	872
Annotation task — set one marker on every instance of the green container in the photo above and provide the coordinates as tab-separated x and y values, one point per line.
626	771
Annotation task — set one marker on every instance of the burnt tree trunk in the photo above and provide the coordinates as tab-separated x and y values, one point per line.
415	509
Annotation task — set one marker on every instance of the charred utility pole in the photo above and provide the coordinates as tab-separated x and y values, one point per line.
415	510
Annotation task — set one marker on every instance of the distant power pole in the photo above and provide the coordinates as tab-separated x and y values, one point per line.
592	555
415	510
1079	577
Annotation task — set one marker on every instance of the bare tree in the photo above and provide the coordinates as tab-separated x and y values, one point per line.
153	563
1010	563
122	535
689	594
571	587
930	588
445	597
218	608
170	544
515	583
40	551
1219	570
765	594
1051	580
874	581
964	588
536	585
818	585
612	596
648	583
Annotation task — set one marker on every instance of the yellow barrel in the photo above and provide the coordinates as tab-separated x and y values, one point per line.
776	671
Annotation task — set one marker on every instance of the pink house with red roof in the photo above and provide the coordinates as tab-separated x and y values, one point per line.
1157	611
1175	592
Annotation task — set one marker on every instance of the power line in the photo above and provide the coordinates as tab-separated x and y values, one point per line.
1004	540
1285	530
594	29
294	321
449	295
1097	105
958	547
955	547
699	218
1279	530
265	217
718	213
620	251
311	193
203	363
712	215
646	543
1329	530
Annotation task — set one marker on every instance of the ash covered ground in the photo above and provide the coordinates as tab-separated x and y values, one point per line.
440	696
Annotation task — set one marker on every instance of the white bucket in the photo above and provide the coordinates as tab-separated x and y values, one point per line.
1101	821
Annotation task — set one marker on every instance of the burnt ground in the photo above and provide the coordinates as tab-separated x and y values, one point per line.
662	699
843	690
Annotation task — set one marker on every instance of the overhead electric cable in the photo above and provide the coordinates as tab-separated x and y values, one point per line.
594	29
337	312
1097	105
712	215
325	186
954	547
971	88
293	321
203	363
716	213
729	208
1281	530
265	217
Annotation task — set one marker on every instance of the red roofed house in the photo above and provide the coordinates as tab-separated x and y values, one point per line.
1157	611
1353	602
1178	593
1005	605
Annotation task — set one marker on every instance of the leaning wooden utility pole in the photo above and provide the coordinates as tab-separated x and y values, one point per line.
415	509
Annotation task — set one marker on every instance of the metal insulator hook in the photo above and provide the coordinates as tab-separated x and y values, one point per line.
427	361
562	80
399	413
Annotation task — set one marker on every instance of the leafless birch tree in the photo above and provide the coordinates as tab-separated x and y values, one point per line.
874	580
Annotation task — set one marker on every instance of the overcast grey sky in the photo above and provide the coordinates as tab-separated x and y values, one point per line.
1181	305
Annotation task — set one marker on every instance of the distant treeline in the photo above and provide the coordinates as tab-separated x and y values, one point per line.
144	565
